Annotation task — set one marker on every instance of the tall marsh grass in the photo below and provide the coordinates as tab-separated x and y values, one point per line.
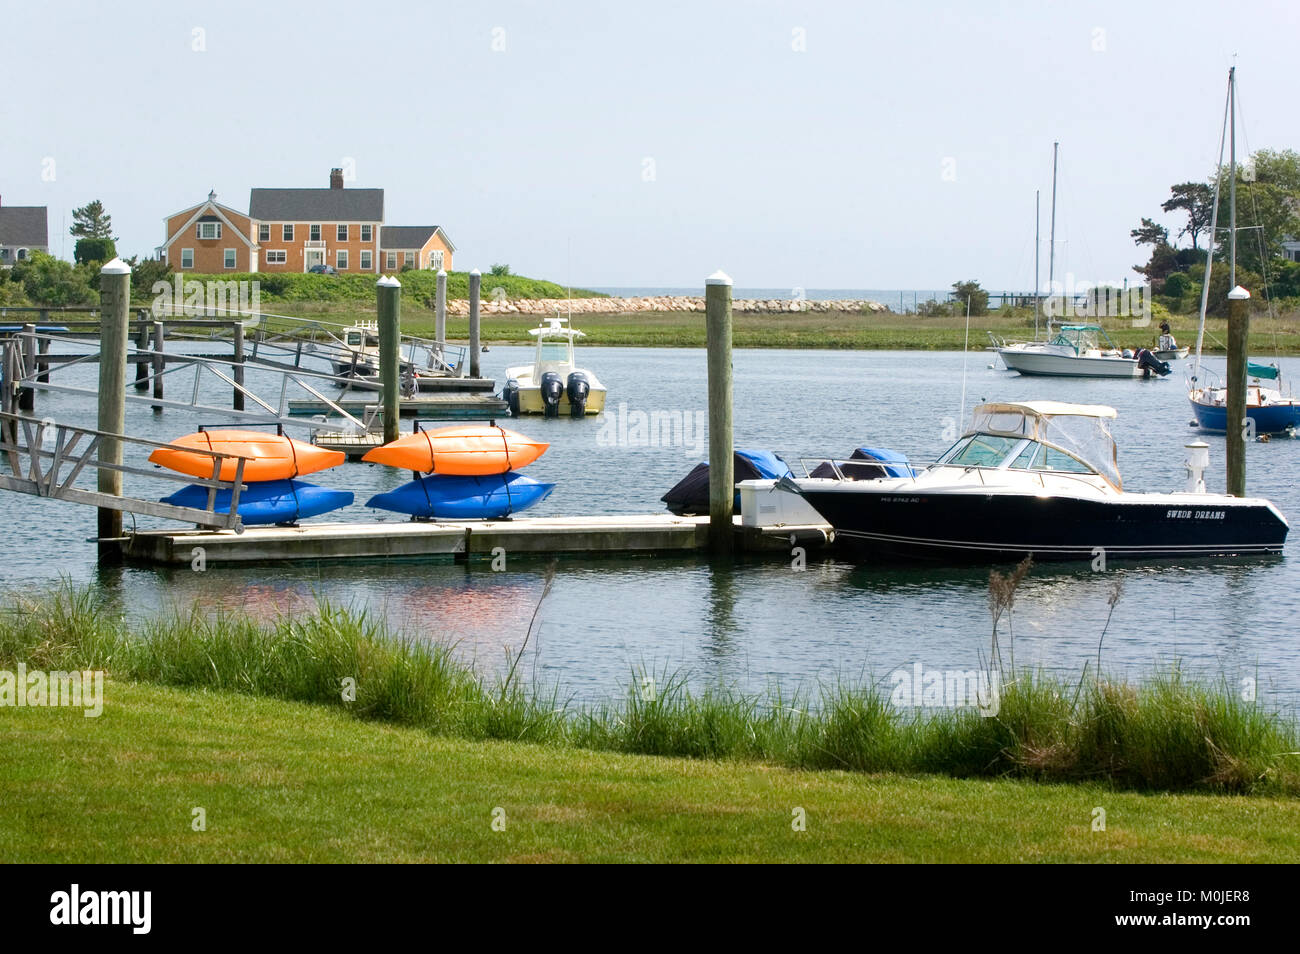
1170	733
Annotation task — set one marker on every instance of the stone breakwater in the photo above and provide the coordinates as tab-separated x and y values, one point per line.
662	303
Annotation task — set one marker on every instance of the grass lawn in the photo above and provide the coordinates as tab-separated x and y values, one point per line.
286	781
884	331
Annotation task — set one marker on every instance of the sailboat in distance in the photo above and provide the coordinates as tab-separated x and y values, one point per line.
1269	408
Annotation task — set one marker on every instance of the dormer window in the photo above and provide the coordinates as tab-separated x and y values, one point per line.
209	230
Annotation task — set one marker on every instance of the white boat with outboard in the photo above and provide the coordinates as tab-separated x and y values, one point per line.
553	385
1081	351
355	355
1041	479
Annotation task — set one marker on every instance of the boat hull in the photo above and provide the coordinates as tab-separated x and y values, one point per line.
274	501
274	456
469	450
530	402
1063	366
446	497
1002	527
1269	419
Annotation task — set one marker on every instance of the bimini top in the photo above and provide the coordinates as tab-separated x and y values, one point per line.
1078	327
1078	429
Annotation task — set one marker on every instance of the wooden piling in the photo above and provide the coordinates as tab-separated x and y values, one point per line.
42	367
159	362
142	344
388	291
1238	334
27	355
717	310
475	286
440	313
114	299
237	400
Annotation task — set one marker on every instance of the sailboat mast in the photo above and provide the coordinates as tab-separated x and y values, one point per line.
1051	254
1214	230
1038	221
1232	175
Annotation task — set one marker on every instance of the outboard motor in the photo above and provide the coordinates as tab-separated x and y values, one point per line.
578	388
510	394
1149	362
552	388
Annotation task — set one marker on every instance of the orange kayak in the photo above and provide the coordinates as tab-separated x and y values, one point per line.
275	457
472	450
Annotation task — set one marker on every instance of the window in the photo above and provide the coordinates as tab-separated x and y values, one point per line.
408	260
392	260
342	233
288	233
1054	459
229	258
275	256
187	257
435	259
264	233
21	255
366	263
365	233
209	230
1025	459
341	259
983	450
4	254
314	234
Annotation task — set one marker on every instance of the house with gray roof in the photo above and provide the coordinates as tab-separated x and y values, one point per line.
23	229
414	246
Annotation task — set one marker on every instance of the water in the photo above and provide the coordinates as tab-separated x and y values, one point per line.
757	622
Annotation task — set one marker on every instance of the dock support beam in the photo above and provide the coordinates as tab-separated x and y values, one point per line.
142	344
237	401
717	310
27	351
159	362
1238	350
440	313
389	292
475	286
114	300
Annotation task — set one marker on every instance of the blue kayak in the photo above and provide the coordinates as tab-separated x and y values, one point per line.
454	497
268	501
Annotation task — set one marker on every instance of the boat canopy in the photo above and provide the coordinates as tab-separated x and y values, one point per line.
1261	370
1078	429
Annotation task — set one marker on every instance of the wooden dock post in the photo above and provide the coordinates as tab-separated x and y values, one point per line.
27	353
717	309
440	313
389	294
159	362
1238	352
142	344
42	367
237	400
114	299
475	286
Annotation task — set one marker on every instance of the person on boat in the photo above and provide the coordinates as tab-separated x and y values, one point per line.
1167	342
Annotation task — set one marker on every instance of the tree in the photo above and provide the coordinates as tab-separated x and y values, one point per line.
92	250
500	270
1196	200
48	281
1150	234
90	221
1268	208
979	298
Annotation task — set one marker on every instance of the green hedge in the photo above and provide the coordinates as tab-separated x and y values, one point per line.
418	285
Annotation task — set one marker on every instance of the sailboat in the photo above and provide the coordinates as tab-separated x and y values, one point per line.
1269	409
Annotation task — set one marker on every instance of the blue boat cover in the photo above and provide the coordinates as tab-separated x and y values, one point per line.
893	463
456	497
268	501
766	463
1261	370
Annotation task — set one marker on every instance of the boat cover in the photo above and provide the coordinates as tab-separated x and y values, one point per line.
690	495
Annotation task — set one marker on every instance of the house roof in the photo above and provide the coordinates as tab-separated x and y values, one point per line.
24	225
316	205
405	236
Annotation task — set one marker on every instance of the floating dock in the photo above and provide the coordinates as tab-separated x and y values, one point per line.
469	540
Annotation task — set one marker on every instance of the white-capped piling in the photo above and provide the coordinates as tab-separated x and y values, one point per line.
388	291
114	302
475	286
717	310
1238	335
440	312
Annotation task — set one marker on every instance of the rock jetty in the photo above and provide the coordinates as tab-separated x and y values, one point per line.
499	305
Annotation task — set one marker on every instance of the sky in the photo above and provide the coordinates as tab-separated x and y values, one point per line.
801	145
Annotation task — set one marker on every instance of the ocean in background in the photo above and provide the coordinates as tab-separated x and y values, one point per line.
886	296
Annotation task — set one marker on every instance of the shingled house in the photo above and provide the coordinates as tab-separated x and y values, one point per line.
210	238
23	229
414	246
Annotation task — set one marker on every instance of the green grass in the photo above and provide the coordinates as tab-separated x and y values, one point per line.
1168	734
282	781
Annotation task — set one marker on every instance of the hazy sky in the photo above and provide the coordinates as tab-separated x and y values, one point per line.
865	145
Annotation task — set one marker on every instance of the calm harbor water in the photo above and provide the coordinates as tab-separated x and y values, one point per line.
759	621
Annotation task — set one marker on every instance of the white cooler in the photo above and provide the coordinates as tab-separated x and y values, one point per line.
762	505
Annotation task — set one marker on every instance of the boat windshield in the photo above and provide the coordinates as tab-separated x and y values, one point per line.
1084	436
553	351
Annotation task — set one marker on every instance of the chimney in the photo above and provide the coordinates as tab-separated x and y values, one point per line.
336	178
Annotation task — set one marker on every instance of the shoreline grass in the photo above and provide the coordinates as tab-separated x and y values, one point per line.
1169	734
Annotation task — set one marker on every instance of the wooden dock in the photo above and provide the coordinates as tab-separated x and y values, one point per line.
470	540
445	406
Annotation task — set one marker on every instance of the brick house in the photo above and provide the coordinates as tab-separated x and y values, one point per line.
210	238
414	246
23	229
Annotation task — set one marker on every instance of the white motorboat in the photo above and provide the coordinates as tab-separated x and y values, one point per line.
553	384
1080	351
